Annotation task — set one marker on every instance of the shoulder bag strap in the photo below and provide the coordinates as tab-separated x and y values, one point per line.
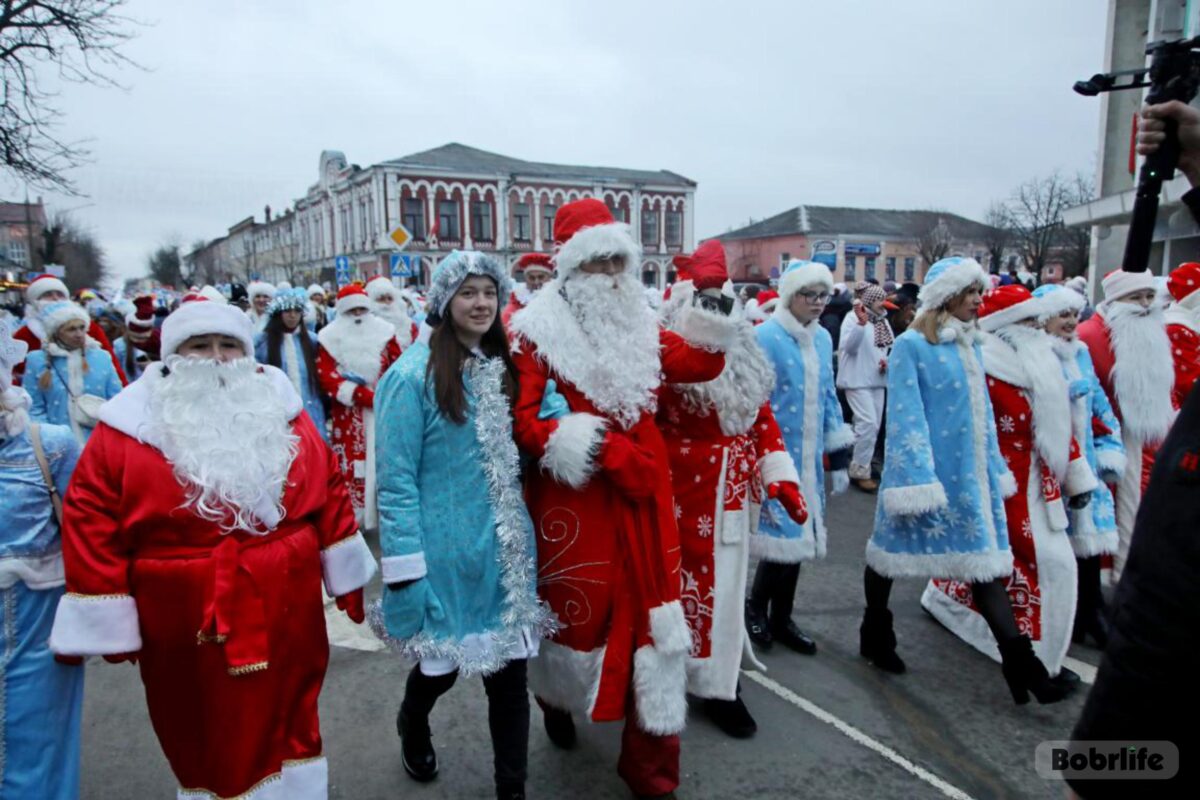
35	437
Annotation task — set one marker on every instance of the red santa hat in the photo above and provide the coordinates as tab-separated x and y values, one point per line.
141	319
42	284
202	317
1007	305
706	267
584	231
1184	281
767	300
535	262
1119	283
683	267
351	297
379	286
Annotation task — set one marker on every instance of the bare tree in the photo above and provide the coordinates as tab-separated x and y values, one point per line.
68	243
165	265
999	235
1075	243
935	242
1035	211
80	41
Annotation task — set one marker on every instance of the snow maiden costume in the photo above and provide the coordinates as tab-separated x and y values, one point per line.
725	449
1034	426
806	407
200	522
459	559
296	360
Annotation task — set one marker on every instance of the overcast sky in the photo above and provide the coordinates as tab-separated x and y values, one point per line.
885	104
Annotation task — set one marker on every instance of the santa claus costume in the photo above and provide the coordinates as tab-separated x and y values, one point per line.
140	343
1183	328
1131	351
760	307
41	291
261	294
591	359
1032	408
198	526
387	305
356	349
528	264
725	448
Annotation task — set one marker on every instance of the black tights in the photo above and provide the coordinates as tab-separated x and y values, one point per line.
991	598
508	714
774	588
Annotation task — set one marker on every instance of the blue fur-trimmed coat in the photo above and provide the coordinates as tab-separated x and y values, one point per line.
941	500
294	366
452	519
53	404
806	408
1093	529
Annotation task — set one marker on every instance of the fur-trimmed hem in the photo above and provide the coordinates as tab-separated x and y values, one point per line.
707	329
96	625
971	567
408	567
347	565
298	779
570	454
669	629
1008	485
777	467
839	439
907	501
660	690
611	239
1111	463
345	393
567	679
779	550
1080	479
1094	544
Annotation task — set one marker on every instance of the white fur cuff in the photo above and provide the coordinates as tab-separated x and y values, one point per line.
1080	478
669	628
569	456
839	439
347	565
907	501
660	688
404	568
345	392
1111	463
96	625
778	467
1008	485
707	329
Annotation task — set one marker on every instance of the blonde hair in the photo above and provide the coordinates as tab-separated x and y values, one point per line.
929	321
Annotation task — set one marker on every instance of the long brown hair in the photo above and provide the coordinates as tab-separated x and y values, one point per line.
447	355
274	331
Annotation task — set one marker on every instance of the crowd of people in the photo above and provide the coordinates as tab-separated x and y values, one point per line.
566	484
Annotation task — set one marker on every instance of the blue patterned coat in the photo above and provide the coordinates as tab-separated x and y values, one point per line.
806	407
452	520
53	404
297	371
941	500
1093	529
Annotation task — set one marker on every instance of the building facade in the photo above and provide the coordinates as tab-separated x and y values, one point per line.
21	226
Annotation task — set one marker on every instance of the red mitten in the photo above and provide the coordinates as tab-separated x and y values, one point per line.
631	468
788	495
860	312
352	604
364	397
70	661
117	658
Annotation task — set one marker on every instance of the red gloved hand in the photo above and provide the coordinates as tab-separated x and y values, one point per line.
117	658
70	661
788	495
860	311
352	604
364	397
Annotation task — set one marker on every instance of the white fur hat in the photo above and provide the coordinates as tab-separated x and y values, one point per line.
1056	298
203	317
947	278
260	287
380	285
42	284
1119	283
315	288
59	313
799	275
213	293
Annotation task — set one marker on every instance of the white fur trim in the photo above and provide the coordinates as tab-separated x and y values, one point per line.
351	302
347	565
1059	300
1026	309
567	679
778	550
408	567
669	628
660	689
799	277
1119	283
839	439
202	317
95	625
40	286
904	501
63	312
568	456
614	238
379	286
778	467
345	393
971	567
1008	485
306	779
358	347
1080	479
704	328
1094	543
952	280
1111	463
260	287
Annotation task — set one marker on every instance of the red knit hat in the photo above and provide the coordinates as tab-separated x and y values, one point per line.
1184	280
683	267
708	266
351	297
574	217
1007	305
535	262
140	321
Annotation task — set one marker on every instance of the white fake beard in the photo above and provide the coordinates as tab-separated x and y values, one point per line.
740	390
1143	373
1049	397
620	347
395	314
357	343
225	431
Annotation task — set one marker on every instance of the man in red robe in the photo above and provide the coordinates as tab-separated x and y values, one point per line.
1183	329
199	524
591	359
537	269
41	291
356	349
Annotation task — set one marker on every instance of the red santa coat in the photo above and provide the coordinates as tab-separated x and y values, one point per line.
608	563
513	305
32	337
229	628
1183	328
364	351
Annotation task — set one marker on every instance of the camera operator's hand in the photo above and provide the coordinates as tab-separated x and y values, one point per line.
1151	134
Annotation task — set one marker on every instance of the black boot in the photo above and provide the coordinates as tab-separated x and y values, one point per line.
416	746
514	791
1066	677
1024	673
877	641
1090	619
731	716
783	598
756	606
559	726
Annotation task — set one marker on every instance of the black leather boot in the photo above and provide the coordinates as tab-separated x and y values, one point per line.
559	726
877	641
731	716
1025	674
756	605
416	746
1090	619
783	599
510	791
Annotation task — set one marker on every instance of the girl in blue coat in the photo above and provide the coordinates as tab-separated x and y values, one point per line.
941	510
288	344
71	376
459	558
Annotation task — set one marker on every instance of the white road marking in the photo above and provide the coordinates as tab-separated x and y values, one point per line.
1087	673
858	736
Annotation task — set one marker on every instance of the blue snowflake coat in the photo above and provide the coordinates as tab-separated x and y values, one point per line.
806	408
53	404
941	506
297	371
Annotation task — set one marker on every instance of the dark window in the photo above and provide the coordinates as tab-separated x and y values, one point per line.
650	277
784	259
521	229
910	269
890	274
870	268
619	214
649	227
448	220
413	216
481	221
851	267
674	228
548	213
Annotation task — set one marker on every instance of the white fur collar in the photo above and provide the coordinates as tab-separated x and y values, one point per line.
801	333
358	348
1181	314
55	349
1001	361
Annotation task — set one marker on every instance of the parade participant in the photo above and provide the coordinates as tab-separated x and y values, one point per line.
1183	328
941	509
460	571
356	349
42	699
315	313
537	270
862	374
239	297
725	448
260	295
1093	529
199	524
806	407
761	306
41	291
600	495
1032	408
71	376
1128	342
287	345
386	305
140	343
